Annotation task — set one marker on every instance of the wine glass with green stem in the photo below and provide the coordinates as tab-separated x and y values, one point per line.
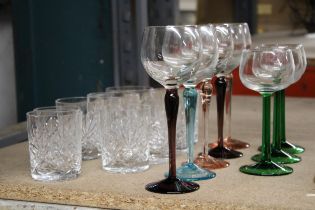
278	154
189	170
266	70
171	55
239	43
225	49
285	144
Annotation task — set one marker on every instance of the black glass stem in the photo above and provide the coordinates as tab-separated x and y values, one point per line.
221	151
172	184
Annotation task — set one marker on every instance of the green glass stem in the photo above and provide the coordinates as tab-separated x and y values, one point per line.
281	101
190	102
265	166
277	154
276	138
286	146
265	149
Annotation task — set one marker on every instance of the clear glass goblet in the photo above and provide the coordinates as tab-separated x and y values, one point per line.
278	154
238	43
171	55
266	71
189	170
225	49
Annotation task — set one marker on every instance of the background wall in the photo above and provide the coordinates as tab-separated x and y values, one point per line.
8	113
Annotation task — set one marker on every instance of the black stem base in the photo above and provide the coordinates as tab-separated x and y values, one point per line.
172	186
224	152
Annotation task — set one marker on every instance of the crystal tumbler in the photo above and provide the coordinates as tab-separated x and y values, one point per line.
54	137
125	125
90	139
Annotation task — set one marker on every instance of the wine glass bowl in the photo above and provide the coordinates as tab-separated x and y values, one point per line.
170	52
266	70
171	55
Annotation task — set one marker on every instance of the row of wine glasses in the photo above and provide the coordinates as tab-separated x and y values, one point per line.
188	55
193	55
269	69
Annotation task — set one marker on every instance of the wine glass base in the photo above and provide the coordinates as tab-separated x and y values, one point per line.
280	157
291	148
210	163
266	168
224	152
232	144
192	172
172	186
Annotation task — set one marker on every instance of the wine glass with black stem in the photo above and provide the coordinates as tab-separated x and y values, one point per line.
171	55
239	43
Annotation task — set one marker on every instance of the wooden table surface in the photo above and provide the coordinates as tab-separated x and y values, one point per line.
229	190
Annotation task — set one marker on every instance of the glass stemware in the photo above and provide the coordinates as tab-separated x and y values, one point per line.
189	170
266	71
229	141
278	155
239	43
286	145
225	48
171	55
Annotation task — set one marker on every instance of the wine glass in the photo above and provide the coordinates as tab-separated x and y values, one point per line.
278	154
171	55
229	141
266	71
286	145
225	50
189	170
239	43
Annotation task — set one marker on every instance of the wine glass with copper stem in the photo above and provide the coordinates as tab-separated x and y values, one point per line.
278	155
225	49
171	55
267	70
238	43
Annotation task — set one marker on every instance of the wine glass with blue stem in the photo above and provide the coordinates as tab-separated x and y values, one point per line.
171	55
189	170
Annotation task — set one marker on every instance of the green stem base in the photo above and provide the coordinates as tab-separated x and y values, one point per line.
266	168
291	148
280	157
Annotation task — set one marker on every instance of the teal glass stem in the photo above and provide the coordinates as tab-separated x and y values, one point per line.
189	171
265	166
190	102
286	146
